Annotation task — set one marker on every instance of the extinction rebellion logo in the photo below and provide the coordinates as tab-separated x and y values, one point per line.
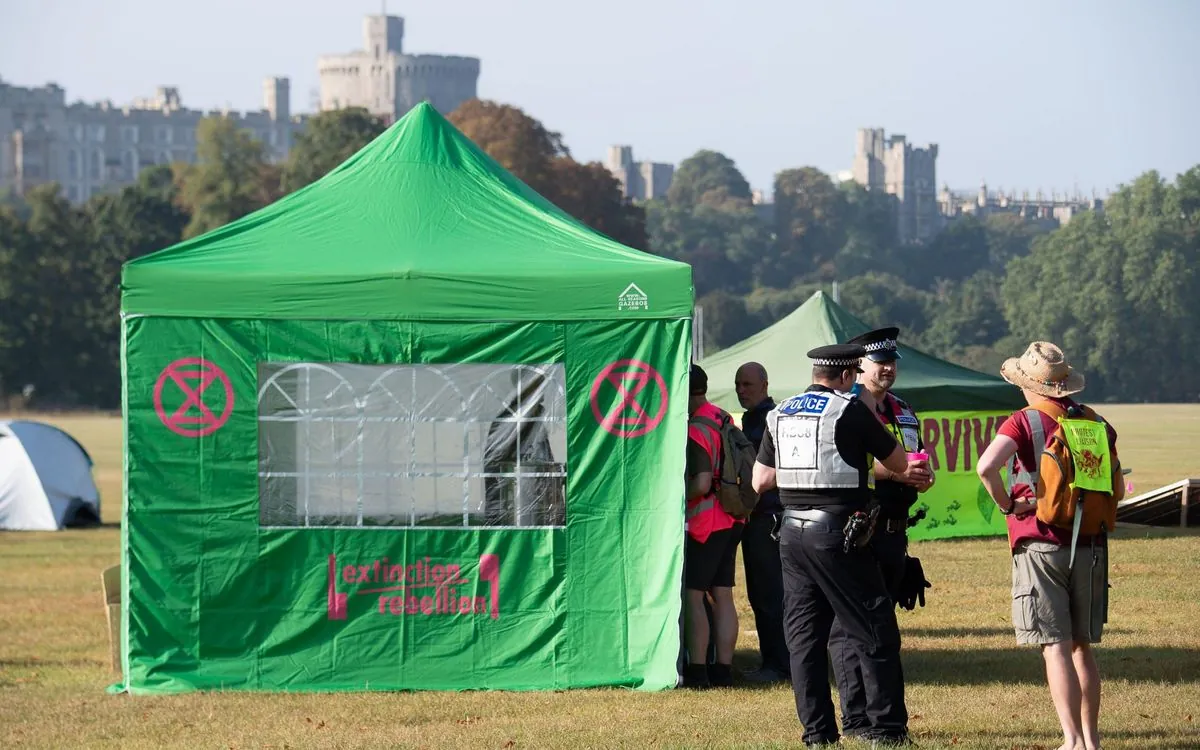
419	587
633	298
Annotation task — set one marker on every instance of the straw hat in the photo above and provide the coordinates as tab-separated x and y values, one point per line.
1043	369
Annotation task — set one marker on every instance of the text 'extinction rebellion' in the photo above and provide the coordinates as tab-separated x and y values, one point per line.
418	588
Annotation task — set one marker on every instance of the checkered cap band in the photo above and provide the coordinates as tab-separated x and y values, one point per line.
836	362
887	344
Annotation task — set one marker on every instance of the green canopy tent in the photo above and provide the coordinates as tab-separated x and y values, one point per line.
960	409
410	427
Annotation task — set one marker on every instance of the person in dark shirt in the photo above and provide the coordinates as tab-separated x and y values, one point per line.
760	546
817	449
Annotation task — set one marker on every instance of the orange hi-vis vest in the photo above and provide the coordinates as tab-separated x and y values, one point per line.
704	514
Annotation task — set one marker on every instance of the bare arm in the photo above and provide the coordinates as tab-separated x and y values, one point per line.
881	471
763	478
997	455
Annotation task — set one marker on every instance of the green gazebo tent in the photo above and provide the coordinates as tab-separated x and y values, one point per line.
410	427
960	409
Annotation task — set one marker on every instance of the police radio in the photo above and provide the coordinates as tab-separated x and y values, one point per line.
859	528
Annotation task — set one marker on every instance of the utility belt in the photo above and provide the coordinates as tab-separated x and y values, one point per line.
856	527
809	516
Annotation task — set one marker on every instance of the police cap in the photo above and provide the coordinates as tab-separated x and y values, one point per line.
837	355
879	344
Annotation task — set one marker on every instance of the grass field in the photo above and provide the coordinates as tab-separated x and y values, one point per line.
968	684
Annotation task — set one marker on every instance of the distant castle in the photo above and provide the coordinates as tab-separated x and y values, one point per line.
95	148
386	82
910	175
1051	212
641	180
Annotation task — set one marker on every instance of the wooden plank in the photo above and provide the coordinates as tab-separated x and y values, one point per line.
1183	505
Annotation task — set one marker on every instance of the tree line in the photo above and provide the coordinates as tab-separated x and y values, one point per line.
1114	288
1117	288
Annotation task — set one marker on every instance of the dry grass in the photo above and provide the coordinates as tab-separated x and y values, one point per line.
1151	438
968	685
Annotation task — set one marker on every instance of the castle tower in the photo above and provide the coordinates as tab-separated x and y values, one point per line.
386	82
868	167
276	98
381	35
620	164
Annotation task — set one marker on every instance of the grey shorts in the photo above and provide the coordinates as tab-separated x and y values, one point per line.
1053	602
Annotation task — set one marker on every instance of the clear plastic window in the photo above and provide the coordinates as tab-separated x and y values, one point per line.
411	445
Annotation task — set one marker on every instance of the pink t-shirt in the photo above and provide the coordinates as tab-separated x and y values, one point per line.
1028	527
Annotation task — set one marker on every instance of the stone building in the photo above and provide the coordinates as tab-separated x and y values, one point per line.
1051	212
641	180
94	148
387	82
910	174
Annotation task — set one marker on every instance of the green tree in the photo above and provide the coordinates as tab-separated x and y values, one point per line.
60	321
709	221
721	240
231	176
1119	292
772	305
810	227
1009	236
882	299
870	233
14	242
966	315
726	320
704	173
136	221
592	195
329	138
538	157
52	339
958	252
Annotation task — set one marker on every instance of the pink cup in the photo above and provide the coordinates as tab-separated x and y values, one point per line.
921	456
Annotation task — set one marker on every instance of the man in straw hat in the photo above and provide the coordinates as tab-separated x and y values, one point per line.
1059	603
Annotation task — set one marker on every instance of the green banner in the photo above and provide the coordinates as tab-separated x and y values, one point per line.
957	505
317	505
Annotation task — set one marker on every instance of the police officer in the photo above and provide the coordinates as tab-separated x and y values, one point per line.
895	494
815	450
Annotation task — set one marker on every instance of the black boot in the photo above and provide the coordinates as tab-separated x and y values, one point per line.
720	675
695	676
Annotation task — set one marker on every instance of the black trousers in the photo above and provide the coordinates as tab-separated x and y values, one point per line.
764	589
889	551
821	583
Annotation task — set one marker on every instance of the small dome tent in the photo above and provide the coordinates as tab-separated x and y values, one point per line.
45	479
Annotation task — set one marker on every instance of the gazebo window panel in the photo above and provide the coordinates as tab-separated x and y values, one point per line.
447	446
